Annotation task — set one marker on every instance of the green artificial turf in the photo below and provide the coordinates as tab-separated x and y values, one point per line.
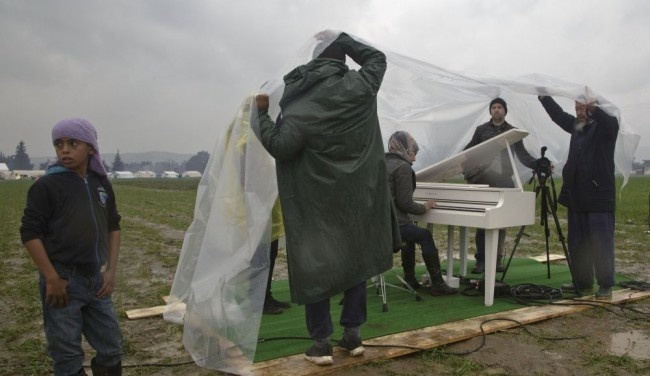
286	334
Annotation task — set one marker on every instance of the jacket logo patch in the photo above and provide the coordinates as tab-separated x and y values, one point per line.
103	196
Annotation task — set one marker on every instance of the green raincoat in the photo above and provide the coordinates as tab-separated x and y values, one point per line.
332	179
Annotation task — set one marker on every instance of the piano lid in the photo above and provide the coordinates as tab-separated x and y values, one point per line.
470	158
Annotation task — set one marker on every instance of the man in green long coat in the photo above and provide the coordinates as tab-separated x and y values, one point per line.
332	181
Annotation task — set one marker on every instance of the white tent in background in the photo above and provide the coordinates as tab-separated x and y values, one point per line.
122	175
26	174
145	174
219	284
191	174
169	175
4	171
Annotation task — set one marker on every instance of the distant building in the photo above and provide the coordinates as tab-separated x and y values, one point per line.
169	175
26	174
122	175
145	174
191	174
4	171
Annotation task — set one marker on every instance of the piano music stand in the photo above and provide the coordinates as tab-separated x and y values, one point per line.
548	204
379	282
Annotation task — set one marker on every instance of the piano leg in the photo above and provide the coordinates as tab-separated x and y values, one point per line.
491	244
464	242
450	253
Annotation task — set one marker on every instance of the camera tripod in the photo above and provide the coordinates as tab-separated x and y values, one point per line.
548	205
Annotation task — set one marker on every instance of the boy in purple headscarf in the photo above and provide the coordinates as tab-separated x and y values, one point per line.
71	229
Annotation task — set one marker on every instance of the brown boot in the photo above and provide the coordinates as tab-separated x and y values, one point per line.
441	288
408	265
409	277
438	286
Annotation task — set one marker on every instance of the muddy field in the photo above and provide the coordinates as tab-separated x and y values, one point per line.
615	342
607	343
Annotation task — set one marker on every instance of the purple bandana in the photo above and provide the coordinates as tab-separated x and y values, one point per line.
82	130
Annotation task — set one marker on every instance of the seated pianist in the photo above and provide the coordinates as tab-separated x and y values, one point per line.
402	150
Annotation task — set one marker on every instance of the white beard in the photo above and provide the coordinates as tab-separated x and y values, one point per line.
580	125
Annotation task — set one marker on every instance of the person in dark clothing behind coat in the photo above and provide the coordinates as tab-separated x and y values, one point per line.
402	149
271	305
496	174
339	222
589	193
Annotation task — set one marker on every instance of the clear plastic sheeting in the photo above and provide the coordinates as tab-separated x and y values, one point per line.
218	290
441	110
219	286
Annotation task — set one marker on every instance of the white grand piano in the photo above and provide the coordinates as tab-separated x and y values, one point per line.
472	205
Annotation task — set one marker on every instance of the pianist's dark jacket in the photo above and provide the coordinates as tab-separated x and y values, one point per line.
588	182
401	179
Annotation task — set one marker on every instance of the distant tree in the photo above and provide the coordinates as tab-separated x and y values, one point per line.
3	158
9	160
159	167
118	165
138	166
198	162
21	158
43	165
106	167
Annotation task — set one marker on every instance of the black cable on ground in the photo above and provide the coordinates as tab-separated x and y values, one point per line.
484	337
635	285
529	293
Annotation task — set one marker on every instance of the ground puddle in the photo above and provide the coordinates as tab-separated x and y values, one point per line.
633	343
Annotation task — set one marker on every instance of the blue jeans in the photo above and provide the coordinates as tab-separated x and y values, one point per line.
591	248
319	319
85	313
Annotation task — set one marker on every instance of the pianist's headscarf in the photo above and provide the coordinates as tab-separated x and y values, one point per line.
403	144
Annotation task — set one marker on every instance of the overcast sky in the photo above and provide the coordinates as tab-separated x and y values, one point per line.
162	75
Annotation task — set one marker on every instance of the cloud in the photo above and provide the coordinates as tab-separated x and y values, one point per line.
168	75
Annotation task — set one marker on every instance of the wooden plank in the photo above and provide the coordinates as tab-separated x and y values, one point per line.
552	257
427	338
145	312
141	313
